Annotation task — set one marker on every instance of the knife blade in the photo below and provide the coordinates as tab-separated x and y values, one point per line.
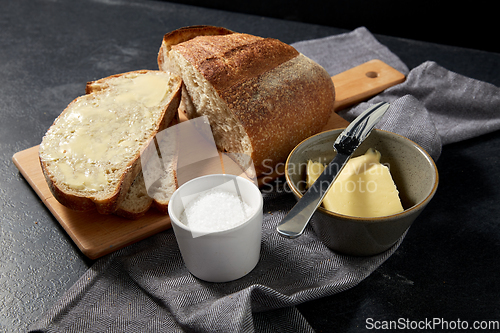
294	223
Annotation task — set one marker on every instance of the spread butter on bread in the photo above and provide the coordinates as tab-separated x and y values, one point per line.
261	96
90	156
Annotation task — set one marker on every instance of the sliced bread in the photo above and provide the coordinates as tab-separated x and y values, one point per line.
160	170
137	201
90	155
162	189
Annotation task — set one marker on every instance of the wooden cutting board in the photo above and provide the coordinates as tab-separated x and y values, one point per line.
97	235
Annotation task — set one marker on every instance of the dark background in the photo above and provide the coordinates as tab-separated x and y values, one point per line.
470	24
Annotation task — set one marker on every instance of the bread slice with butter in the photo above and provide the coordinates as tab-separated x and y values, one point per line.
90	156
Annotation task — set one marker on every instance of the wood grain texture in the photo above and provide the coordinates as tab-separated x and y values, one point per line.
97	235
364	81
94	234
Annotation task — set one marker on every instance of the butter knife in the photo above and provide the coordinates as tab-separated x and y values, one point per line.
294	223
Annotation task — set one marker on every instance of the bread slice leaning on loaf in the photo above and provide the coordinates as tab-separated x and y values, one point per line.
136	202
91	154
261	96
162	173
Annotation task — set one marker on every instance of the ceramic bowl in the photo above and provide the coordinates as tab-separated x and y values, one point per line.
413	172
218	256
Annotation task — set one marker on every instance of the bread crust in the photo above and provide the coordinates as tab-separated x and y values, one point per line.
110	203
284	114
184	34
278	95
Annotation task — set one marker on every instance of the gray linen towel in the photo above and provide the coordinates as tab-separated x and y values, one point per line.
145	287
436	106
339	53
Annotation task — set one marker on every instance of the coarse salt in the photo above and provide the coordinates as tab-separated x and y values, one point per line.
215	210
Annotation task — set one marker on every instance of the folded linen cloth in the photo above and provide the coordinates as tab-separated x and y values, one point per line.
145	287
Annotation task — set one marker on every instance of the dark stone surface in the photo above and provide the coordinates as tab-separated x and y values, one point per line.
446	268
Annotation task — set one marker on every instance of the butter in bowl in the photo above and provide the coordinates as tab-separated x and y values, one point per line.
356	231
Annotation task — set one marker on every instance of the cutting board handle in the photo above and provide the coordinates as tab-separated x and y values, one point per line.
364	81
360	83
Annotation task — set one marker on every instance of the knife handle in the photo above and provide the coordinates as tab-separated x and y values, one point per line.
294	223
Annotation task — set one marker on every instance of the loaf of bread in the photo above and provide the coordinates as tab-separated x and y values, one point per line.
261	96
90	156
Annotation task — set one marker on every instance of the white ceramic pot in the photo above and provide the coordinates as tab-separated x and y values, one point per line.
219	256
